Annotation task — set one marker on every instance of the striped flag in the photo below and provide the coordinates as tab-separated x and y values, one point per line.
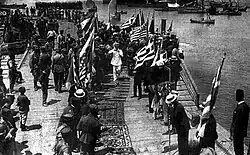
211	99
145	54
139	32
128	23
85	57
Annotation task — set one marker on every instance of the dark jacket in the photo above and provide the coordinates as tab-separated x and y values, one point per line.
210	134
44	62
23	103
90	128
180	119
240	121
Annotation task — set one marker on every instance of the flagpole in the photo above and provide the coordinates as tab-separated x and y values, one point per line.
218	74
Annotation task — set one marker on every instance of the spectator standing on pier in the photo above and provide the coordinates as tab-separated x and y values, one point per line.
23	103
116	60
44	65
239	124
61	40
137	82
41	26
58	63
180	122
34	65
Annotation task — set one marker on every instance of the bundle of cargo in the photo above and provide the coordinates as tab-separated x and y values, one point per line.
61	5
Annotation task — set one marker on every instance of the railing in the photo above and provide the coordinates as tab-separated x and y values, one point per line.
191	86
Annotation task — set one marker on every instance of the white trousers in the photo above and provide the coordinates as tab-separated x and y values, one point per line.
116	72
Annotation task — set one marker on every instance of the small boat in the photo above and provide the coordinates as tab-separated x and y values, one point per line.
197	10
229	13
169	7
203	21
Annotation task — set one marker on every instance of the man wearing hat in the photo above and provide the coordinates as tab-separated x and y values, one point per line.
49	45
44	65
89	130
116	60
239	124
180	122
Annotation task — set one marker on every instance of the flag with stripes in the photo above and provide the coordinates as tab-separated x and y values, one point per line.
211	99
85	57
145	54
128	23
139	32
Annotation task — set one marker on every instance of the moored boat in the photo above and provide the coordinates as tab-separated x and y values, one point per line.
169	7
229	13
193	10
203	21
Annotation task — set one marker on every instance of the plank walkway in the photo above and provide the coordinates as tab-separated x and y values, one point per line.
147	135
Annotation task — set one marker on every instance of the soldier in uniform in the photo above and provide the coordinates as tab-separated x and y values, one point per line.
89	130
58	68
49	45
34	66
44	65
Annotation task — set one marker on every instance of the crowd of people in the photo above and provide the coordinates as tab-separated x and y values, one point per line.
79	127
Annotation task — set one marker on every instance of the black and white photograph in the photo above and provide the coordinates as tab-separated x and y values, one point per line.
124	77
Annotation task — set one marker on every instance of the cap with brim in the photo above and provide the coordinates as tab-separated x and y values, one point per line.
171	98
79	93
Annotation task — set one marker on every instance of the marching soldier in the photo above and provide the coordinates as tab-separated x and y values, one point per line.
58	63
34	66
61	40
44	65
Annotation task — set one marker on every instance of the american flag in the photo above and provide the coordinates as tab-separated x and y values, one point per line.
145	54
139	32
85	57
128	23
211	99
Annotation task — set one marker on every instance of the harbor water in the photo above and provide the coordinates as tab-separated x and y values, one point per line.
204	46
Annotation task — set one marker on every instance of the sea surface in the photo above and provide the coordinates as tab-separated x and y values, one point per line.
204	46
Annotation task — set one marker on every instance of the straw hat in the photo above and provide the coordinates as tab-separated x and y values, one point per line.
171	98
79	93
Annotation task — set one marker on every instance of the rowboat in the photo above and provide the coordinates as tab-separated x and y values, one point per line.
203	21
